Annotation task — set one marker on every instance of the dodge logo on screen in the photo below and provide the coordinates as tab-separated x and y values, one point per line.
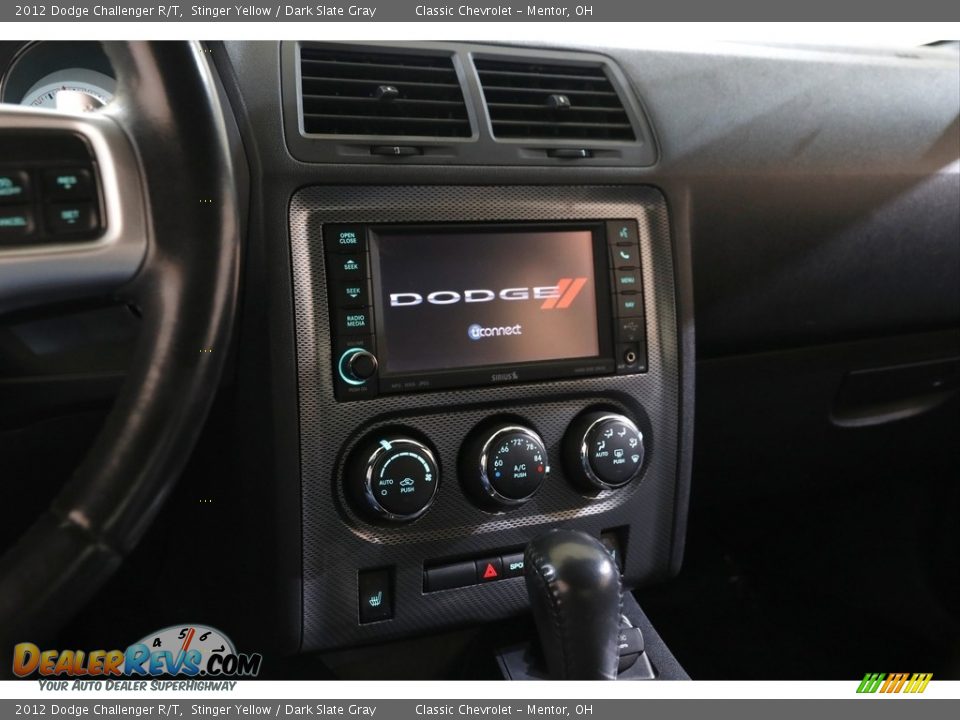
557	296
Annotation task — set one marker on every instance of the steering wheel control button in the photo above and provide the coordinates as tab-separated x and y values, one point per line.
393	479
62	218
14	187
375	595
503	467
16	222
603	451
67	184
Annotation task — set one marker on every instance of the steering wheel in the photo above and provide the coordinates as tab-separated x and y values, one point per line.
168	242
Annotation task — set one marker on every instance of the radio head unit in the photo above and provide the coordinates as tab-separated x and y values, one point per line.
423	307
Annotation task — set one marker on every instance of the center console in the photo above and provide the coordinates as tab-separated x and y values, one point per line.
477	365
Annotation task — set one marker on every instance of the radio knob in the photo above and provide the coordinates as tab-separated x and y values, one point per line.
504	467
603	450
392	479
357	365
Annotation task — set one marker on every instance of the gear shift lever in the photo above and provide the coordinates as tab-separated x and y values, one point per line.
574	588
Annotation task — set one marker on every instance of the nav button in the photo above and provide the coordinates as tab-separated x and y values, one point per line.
628	305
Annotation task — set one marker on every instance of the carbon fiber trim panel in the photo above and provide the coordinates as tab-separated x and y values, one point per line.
336	543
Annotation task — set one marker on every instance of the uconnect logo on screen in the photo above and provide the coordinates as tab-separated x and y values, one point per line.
894	683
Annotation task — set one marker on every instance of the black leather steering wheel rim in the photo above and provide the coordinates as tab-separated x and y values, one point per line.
186	289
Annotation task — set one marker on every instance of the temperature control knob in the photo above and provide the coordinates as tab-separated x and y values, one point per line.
392	478
503	467
603	450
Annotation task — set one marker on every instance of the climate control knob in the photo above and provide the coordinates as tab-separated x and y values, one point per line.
392	479
503	467
603	450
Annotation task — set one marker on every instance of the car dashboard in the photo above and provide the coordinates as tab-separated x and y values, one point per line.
490	290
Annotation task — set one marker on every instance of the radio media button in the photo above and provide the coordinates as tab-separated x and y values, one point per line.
628	305
344	293
354	321
625	256
622	232
344	238
627	280
348	266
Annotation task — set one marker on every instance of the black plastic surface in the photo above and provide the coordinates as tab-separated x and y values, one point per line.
778	163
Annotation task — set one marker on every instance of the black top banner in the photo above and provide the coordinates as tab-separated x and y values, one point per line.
482	11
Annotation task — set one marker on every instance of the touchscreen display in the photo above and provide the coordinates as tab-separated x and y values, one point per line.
463	299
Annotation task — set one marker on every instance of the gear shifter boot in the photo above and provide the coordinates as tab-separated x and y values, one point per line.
574	588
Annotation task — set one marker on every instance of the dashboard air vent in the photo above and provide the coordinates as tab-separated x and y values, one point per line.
360	92
549	101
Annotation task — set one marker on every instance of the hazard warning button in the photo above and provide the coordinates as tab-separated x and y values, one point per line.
489	569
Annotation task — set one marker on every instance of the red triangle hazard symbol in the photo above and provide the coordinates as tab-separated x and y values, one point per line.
490	572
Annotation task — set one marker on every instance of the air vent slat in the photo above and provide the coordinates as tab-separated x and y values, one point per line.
361	67
382	94
548	101
596	77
